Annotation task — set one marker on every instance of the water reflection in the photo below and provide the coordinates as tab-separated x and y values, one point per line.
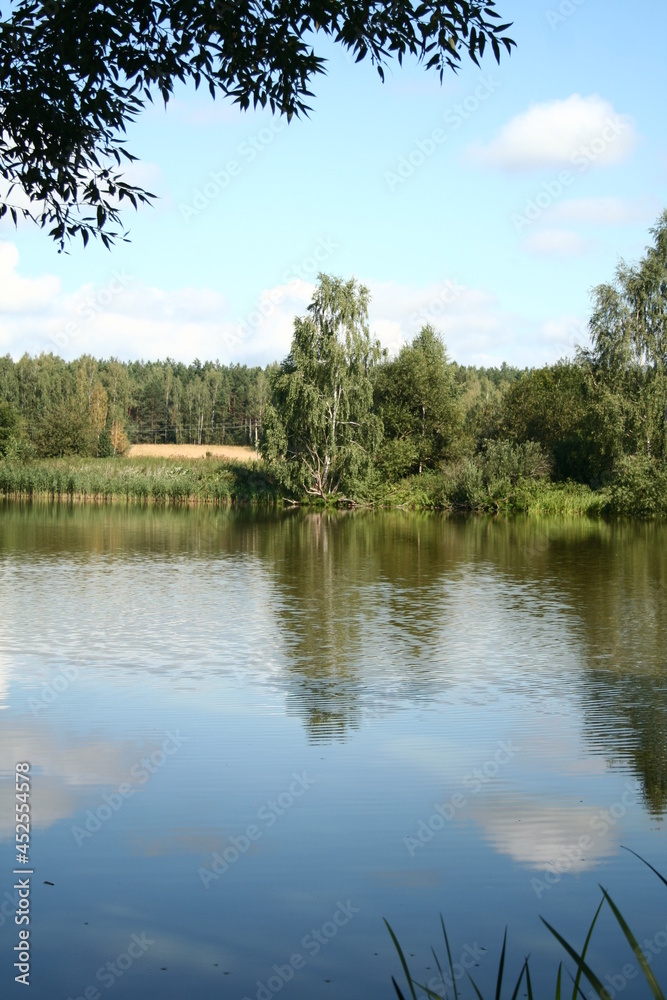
354	613
4	681
387	656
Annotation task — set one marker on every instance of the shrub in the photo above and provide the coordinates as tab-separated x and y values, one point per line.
639	488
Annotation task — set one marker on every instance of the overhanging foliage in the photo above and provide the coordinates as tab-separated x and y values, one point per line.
75	73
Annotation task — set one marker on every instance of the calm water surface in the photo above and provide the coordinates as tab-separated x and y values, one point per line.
252	737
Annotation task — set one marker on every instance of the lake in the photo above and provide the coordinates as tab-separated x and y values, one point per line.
253	736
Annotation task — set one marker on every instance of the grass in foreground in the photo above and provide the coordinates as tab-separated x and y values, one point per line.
583	969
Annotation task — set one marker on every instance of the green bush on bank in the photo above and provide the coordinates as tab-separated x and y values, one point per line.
503	478
639	488
462	488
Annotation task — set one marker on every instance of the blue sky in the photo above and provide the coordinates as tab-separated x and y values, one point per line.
489	205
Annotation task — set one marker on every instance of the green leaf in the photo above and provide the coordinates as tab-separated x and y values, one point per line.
403	962
449	959
579	959
644	861
638	953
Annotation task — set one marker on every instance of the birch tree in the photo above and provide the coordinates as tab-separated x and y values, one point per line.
628	329
320	430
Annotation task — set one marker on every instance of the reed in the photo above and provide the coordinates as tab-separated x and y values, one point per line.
582	970
148	480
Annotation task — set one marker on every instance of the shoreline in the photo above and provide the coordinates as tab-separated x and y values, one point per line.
215	481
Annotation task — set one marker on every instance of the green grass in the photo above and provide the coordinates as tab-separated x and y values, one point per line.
460	487
582	969
151	480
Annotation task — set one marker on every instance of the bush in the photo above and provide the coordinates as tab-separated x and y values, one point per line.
19	450
639	488
9	426
507	461
396	458
104	445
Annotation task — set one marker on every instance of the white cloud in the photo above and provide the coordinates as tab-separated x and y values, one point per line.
559	133
544	835
565	334
473	325
68	777
557	243
130	320
18	294
609	211
268	325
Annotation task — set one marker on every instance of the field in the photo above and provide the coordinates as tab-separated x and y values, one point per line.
232	453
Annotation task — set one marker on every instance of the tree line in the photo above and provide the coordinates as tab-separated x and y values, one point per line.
51	408
345	420
339	420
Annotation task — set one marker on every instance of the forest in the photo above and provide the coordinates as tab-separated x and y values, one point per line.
339	421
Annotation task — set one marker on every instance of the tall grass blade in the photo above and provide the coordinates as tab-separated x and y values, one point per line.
429	993
639	955
397	988
524	971
449	959
577	990
580	959
558	983
529	985
577	978
403	962
474	986
439	967
501	966
648	865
